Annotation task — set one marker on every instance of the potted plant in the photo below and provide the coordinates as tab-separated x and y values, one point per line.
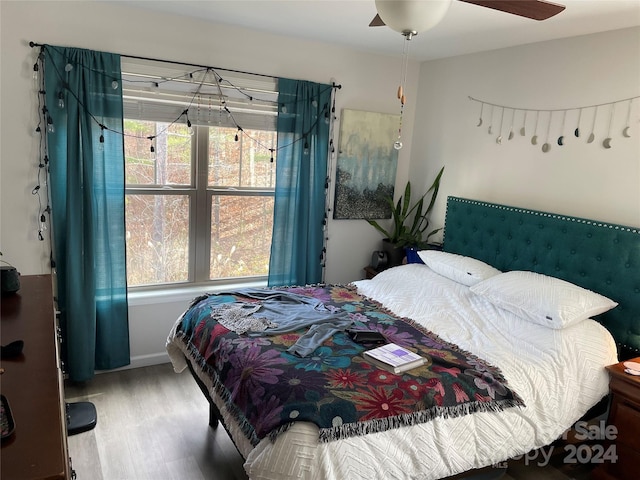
409	223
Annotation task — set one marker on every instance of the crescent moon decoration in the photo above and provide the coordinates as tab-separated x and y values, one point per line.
576	132
545	146
513	114
499	139
593	126
606	143
561	137
625	131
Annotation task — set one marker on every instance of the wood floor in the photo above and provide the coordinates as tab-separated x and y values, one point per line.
153	424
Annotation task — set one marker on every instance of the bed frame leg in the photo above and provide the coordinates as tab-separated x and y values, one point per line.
213	416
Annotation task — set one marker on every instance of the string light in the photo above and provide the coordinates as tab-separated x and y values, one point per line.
189	127
156	84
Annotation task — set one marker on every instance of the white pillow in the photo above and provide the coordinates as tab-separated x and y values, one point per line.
541	299
461	269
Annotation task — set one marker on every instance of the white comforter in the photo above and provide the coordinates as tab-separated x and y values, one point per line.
558	373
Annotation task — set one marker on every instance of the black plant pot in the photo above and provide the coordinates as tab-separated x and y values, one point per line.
395	254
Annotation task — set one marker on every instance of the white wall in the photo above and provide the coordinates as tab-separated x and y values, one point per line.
369	82
579	179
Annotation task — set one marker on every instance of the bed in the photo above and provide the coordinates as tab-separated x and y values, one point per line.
516	354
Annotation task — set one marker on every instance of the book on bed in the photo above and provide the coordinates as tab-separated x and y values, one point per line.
394	358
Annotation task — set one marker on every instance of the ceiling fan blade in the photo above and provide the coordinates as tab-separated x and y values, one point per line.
377	22
533	9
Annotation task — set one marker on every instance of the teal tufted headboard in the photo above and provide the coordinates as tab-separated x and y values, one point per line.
599	256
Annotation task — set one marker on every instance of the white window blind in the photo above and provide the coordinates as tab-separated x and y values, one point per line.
162	91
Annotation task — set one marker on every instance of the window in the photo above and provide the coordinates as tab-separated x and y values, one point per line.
199	198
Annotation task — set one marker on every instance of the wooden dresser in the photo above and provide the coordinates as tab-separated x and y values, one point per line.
32	385
625	415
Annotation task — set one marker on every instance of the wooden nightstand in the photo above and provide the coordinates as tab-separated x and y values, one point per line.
370	272
625	415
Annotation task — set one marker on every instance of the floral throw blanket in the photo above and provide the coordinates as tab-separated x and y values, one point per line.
266	388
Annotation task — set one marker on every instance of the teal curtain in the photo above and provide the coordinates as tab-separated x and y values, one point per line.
87	203
301	175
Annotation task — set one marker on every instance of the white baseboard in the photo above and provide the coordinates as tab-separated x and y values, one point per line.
148	360
143	361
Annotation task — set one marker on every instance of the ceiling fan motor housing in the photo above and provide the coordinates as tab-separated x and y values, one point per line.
412	16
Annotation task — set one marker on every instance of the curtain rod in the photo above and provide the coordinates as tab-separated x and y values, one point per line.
33	45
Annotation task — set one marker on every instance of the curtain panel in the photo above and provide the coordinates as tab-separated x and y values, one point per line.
87	202
301	176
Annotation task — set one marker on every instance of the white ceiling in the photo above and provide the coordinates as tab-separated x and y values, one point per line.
465	29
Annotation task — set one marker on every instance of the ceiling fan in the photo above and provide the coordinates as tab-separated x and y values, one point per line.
410	17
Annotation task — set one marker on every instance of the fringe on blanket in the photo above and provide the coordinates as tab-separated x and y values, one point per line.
405	420
347	430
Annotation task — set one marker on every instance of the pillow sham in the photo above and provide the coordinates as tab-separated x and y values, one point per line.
461	269
542	299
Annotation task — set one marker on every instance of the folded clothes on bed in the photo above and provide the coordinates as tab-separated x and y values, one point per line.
274	312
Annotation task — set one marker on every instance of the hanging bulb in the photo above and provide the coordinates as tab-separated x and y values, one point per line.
306	148
397	144
314	103
36	77
68	67
101	140
152	149
50	127
237	138
189	126
37	130
284	108
61	100
114	84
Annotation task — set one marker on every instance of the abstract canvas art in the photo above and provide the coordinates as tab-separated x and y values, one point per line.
366	165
